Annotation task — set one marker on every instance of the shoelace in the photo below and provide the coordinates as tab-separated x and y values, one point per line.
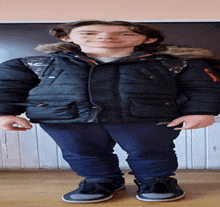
156	185
92	188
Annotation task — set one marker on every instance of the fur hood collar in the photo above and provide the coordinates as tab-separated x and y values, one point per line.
176	51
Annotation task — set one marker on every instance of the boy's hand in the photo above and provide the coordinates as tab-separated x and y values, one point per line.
7	122
193	121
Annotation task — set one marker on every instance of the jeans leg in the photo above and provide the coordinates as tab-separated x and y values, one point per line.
88	149
150	148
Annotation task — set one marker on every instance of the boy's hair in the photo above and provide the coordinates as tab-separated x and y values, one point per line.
148	30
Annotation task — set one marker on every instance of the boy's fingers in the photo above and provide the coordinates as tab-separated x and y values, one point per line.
188	126
175	122
11	122
14	128
24	123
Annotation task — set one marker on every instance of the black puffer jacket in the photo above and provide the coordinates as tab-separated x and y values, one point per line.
134	89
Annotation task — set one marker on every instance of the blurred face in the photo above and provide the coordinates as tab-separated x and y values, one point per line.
106	36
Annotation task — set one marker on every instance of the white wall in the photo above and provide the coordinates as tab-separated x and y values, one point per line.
196	149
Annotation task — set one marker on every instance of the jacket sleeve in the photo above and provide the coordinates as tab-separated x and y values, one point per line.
200	83
16	80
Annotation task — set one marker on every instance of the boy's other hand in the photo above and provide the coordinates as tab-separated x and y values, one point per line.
193	121
7	123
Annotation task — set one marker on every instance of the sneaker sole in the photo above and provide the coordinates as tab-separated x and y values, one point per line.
160	200
94	201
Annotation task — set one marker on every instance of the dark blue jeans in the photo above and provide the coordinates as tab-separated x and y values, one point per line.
88	148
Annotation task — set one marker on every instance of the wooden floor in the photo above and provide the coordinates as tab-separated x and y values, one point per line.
44	188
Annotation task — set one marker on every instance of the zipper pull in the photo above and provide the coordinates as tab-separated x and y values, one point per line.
209	73
94	115
89	61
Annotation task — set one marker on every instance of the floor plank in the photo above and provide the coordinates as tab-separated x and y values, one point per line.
44	188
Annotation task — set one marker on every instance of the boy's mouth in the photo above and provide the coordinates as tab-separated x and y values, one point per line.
107	41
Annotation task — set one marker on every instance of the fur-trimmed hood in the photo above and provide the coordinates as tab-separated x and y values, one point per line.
57	47
176	51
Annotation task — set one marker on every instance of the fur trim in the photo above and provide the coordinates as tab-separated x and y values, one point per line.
176	51
191	52
57	47
187	52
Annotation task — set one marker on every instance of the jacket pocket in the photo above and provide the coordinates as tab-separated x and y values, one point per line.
52	111
142	110
48	79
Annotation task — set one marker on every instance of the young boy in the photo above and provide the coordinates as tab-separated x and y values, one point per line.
108	84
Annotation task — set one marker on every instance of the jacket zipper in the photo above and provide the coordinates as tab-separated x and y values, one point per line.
96	107
93	64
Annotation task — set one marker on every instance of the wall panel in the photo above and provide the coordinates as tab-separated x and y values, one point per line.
29	148
10	149
213	146
196	149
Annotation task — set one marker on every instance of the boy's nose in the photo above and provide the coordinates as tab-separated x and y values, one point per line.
105	36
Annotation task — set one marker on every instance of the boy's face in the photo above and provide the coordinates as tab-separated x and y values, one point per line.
106	36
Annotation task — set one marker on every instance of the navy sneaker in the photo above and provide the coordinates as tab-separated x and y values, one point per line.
159	189
94	190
